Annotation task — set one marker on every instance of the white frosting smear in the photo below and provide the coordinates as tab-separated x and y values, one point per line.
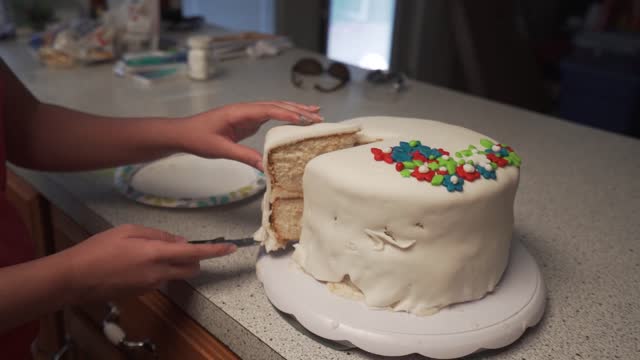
381	237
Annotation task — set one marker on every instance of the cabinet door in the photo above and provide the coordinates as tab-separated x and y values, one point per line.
84	334
88	341
33	210
150	316
154	317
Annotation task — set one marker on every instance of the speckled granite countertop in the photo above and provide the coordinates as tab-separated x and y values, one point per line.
577	209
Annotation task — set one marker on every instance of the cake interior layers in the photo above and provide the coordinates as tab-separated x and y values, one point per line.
285	216
286	166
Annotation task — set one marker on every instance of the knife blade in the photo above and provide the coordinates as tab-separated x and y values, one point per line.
222	240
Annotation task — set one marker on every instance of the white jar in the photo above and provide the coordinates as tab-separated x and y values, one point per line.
200	58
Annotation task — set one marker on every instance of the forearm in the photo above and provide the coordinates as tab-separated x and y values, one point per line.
49	137
57	138
32	289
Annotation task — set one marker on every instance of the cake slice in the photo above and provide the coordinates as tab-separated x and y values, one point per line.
287	151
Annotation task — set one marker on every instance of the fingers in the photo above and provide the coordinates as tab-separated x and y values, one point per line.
299	106
143	232
190	253
272	110
184	259
243	154
307	115
312	108
183	271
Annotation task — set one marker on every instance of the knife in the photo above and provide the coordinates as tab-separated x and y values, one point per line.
221	240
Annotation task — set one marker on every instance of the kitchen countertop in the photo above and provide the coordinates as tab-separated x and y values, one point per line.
577	207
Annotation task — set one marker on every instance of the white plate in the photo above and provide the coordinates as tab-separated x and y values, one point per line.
495	321
188	181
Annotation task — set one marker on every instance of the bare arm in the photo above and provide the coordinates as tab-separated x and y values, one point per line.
48	137
44	136
127	259
122	261
33	289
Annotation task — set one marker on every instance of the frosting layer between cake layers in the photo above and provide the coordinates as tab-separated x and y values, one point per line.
405	244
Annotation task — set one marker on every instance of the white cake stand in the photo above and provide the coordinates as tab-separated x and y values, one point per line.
495	321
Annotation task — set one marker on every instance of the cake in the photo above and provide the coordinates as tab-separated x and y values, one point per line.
287	151
406	214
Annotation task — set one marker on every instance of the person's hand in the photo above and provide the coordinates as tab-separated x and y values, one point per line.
132	259
214	134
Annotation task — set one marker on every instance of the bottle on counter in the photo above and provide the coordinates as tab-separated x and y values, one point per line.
200	59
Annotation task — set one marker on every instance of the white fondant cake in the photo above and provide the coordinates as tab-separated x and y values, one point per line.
405	236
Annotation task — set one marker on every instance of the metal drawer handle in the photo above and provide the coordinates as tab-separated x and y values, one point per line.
117	336
68	346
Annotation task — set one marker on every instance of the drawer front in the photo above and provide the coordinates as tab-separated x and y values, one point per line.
87	339
149	316
66	231
33	210
152	316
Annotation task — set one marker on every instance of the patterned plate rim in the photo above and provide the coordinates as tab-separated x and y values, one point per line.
124	174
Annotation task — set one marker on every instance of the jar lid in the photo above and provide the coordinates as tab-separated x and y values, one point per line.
199	41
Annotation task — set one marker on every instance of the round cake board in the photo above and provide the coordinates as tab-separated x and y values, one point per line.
492	322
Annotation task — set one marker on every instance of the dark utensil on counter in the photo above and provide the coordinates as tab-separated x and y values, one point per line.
221	240
309	66
379	77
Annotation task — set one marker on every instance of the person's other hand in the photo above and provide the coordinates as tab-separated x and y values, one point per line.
215	133
132	259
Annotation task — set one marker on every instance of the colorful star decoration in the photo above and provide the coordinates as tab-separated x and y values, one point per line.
438	167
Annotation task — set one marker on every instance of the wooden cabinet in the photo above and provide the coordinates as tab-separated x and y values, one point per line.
34	209
150	316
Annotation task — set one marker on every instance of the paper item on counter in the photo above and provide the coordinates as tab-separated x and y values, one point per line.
252	44
132	25
149	61
188	181
81	41
271	47
151	77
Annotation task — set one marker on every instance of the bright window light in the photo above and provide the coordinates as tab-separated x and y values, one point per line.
360	32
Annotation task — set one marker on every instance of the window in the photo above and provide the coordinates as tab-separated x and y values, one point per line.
360	32
237	15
